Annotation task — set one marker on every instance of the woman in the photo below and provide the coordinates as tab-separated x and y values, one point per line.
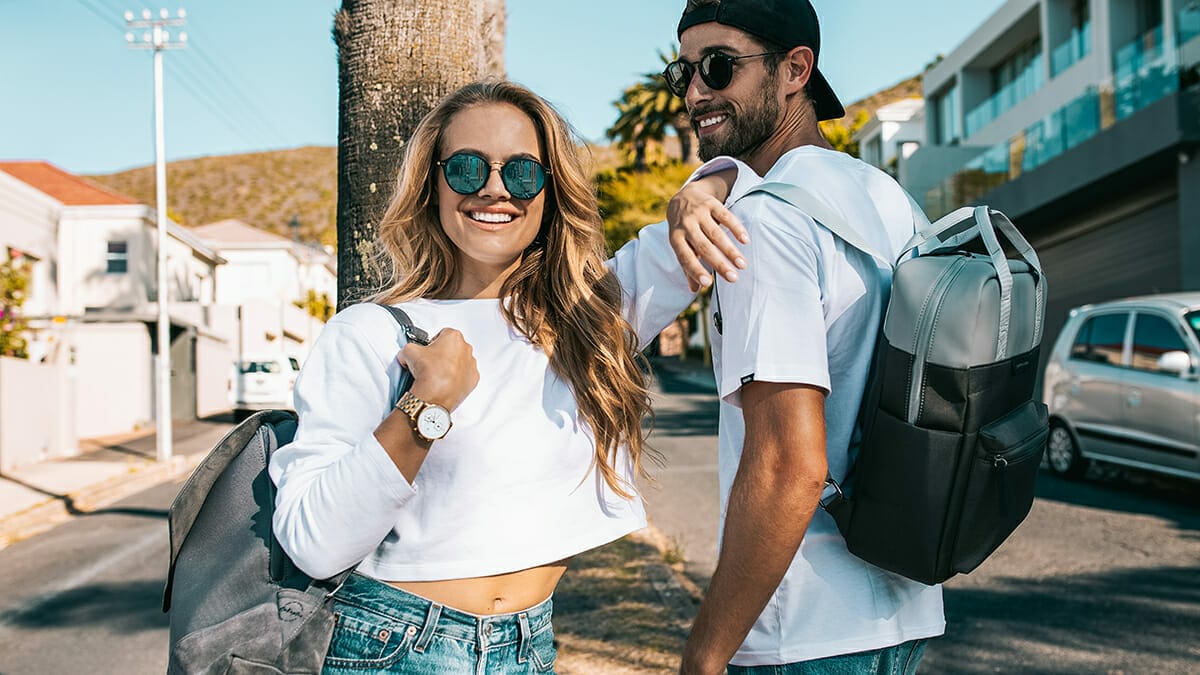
518	443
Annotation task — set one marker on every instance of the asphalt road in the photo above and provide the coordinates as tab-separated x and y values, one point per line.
1103	576
85	597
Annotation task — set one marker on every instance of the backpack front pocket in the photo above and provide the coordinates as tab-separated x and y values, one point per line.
1000	485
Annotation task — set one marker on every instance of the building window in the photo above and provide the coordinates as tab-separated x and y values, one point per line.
946	123
118	257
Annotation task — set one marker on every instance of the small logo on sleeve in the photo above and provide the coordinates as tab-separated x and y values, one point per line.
748	379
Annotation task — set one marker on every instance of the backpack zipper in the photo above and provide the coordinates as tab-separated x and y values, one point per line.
925	336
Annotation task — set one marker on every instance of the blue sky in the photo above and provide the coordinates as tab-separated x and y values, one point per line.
262	74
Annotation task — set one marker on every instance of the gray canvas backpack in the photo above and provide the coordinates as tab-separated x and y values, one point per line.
237	603
950	437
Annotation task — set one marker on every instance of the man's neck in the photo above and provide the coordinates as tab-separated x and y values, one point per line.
795	130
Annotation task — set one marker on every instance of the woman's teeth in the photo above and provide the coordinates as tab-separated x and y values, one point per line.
491	217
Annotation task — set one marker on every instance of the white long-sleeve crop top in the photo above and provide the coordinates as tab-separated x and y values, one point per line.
511	486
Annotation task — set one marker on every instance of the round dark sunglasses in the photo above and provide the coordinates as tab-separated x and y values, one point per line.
466	173
716	69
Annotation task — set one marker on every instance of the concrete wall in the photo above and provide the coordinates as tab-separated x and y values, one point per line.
113	377
214	358
28	392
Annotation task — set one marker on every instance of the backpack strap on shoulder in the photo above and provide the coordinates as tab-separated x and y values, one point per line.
411	332
821	212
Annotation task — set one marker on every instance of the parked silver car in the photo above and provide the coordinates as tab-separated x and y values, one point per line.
1122	387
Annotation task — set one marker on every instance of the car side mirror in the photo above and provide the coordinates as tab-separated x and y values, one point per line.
1176	362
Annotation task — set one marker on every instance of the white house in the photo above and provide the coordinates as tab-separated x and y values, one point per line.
92	312
265	275
893	134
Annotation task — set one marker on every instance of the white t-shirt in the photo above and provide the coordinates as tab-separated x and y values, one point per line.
511	486
807	311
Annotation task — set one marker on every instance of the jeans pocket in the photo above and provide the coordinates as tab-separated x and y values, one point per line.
364	641
542	650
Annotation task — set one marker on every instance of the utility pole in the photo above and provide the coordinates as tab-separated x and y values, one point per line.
158	39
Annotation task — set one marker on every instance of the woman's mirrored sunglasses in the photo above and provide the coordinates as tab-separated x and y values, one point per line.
466	173
716	69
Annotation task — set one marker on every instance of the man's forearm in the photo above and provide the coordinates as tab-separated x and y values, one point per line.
770	506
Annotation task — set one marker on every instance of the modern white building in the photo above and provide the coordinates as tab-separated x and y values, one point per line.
92	312
1080	119
893	133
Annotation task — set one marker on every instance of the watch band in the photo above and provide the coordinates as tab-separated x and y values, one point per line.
410	405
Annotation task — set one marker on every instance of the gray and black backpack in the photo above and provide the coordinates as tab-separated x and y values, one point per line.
237	603
951	436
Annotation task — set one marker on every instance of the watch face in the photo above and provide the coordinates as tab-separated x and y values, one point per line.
433	422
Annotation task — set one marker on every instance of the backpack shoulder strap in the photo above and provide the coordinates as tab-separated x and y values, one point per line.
411	332
804	200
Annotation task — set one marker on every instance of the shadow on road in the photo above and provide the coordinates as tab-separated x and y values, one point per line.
1072	623
1174	500
128	607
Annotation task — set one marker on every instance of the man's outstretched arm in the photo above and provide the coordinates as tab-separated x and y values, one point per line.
774	495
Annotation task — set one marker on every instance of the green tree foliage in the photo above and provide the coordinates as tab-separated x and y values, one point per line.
630	199
645	112
317	305
841	133
14	284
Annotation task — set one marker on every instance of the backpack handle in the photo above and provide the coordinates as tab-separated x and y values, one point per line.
968	223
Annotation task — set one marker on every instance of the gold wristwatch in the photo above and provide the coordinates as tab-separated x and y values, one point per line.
430	421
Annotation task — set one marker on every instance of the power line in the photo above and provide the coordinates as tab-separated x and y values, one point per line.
205	97
103	16
250	106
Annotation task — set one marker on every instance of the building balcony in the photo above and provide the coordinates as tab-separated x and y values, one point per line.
1025	85
1075	49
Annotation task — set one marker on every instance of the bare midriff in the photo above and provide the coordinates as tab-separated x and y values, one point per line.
499	594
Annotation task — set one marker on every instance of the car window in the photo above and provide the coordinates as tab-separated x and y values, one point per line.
260	367
1154	336
1101	339
295	364
1193	320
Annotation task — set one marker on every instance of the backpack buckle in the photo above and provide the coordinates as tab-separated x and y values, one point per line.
837	496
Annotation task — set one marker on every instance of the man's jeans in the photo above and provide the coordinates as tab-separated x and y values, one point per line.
901	659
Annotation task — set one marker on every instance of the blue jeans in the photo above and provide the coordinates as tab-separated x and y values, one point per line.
382	629
901	659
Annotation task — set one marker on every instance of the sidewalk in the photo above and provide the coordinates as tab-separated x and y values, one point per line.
37	497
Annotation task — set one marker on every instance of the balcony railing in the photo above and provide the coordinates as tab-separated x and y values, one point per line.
1029	81
1144	71
1147	70
1074	50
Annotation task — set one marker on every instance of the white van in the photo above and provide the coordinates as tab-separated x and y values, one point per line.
262	382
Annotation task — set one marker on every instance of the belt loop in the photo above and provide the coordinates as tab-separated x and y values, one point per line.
431	619
526	639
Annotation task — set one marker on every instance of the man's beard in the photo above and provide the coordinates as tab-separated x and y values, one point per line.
743	134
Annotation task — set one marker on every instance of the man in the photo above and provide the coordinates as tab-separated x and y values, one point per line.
796	334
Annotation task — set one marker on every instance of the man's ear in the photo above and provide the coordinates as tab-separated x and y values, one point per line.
797	69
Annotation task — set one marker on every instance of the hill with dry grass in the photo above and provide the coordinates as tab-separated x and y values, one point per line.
264	189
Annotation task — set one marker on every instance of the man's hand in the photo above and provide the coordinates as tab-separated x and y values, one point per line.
698	220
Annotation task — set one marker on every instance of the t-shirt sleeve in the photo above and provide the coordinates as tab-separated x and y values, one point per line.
773	318
338	491
654	290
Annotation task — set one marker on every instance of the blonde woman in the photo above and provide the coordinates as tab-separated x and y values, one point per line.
518	443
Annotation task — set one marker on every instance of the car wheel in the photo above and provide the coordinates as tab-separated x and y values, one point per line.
1062	453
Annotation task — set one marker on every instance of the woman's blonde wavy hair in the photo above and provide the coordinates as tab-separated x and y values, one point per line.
562	297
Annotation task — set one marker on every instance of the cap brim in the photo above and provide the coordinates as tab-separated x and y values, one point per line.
826	102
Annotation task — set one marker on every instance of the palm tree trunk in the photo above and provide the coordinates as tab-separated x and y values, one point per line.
396	60
688	152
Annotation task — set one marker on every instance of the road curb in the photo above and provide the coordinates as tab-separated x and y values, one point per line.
55	510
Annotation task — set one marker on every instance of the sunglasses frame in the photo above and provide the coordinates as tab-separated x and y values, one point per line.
495	166
690	69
